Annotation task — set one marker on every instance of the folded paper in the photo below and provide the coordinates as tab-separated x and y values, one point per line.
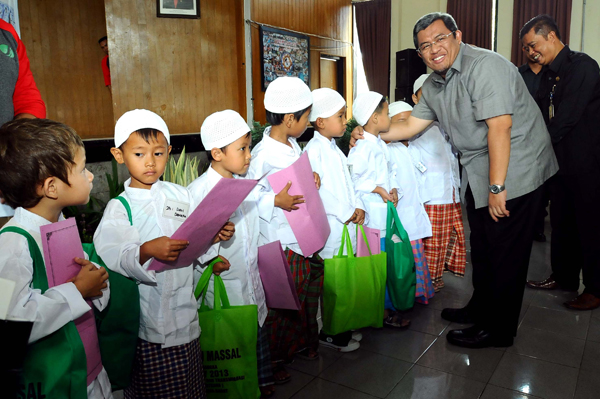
276	277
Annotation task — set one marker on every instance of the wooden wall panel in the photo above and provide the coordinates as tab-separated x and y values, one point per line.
62	44
330	18
182	69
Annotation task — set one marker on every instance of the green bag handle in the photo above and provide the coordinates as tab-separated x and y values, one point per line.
220	291
40	279
123	201
392	213
345	241
364	237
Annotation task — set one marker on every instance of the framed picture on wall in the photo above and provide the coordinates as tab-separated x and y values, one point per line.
283	53
178	8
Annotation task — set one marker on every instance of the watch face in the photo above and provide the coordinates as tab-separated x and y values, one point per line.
495	189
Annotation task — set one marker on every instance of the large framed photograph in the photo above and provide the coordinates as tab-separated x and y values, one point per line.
283	53
178	8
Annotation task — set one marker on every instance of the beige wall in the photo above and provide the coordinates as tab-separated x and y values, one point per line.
591	33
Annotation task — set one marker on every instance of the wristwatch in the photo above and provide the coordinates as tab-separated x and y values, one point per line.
496	188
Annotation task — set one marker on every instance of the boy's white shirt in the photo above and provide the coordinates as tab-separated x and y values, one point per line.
371	167
410	207
168	313
270	156
54	308
337	190
440	183
242	280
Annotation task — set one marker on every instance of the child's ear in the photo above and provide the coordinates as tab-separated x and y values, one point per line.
288	119
49	188
375	117
415	99
169	149
216	154
118	154
320	123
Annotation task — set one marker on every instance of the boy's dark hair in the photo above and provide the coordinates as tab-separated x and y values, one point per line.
426	20
542	25
209	155
380	105
146	134
31	150
277	119
103	38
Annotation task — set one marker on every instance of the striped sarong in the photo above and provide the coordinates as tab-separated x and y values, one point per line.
424	289
174	372
445	249
289	330
263	357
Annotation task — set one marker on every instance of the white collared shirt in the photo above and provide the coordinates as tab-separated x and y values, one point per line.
337	190
371	167
168	313
410	207
270	156
242	280
54	308
440	183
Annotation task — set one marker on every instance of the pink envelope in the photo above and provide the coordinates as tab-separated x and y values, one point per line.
374	238
309	222
61	243
206	221
280	290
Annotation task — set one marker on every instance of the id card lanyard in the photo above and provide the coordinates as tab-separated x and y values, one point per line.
551	109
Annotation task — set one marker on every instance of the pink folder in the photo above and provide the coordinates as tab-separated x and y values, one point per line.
280	290
207	219
309	222
374	238
61	243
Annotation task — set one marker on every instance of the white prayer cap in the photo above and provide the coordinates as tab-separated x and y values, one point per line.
364	106
286	95
419	82
132	121
222	128
398	107
326	102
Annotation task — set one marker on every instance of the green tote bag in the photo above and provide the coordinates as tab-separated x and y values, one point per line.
119	323
401	276
353	289
55	366
228	342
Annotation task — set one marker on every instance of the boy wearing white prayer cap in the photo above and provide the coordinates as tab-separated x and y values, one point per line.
342	203
136	230
440	185
226	138
288	101
410	207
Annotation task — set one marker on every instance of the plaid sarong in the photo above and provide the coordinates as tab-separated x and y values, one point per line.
291	330
424	289
263	357
446	247
174	372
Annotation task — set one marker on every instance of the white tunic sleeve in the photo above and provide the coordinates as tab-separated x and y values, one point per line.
49	311
363	174
118	244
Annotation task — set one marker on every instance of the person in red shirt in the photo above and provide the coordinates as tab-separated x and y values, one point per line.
103	42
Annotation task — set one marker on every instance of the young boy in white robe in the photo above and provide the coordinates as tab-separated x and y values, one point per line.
445	249
43	171
342	204
168	360
287	102
226	138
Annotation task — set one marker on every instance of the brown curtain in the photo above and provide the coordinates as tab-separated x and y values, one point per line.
474	20
524	10
373	23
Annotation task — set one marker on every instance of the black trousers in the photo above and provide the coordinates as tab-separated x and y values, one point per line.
500	254
575	222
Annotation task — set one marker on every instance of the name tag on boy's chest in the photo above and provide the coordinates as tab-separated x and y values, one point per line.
176	210
420	167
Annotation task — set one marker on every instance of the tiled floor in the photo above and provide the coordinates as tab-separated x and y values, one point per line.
556	354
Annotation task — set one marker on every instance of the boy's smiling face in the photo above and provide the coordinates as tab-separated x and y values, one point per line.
77	192
146	161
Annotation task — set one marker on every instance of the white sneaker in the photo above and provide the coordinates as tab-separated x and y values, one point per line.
352	345
357	336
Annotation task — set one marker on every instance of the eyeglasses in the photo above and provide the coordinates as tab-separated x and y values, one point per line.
426	47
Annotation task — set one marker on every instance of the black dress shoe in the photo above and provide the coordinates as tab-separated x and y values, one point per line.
477	337
461	315
547	284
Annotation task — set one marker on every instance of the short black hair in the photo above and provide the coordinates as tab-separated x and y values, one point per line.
277	119
543	24
426	20
103	38
209	155
146	134
379	107
32	150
